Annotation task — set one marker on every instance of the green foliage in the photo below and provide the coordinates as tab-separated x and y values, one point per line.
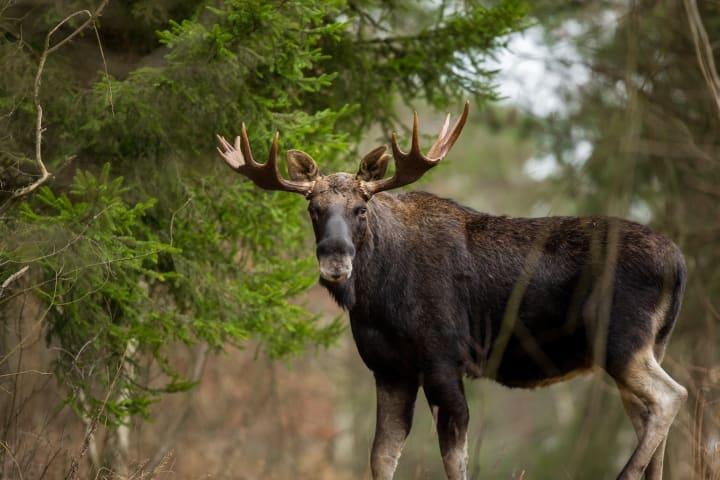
98	264
180	250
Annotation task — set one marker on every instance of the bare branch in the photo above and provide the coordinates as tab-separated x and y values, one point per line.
12	278
44	173
198	369
12	457
703	49
92	427
32	370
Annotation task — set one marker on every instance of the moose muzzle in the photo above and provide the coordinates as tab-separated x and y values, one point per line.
336	268
335	252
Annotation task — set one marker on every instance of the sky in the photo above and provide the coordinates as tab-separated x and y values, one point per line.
531	76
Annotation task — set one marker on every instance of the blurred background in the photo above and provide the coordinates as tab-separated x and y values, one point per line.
159	315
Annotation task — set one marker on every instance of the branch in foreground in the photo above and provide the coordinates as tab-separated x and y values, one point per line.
44	173
201	355
12	278
703	50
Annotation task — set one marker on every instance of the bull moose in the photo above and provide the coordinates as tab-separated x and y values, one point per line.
437	291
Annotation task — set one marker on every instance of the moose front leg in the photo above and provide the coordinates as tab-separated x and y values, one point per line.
395	407
446	396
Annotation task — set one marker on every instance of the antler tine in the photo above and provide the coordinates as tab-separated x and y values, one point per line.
267	175
456	130
434	150
394	146
415	147
415	141
245	147
271	164
235	161
410	166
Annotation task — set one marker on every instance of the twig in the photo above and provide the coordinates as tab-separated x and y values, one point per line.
703	50
93	455
44	173
90	432
118	442
6	447
32	370
21	343
171	433
172	218
12	278
107	75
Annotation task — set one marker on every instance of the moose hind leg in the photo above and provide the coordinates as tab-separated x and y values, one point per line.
652	399
395	407
447	402
638	417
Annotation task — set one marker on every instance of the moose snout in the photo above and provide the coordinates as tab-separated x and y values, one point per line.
335	257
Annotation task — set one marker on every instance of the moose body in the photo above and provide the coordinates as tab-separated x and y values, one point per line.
437	291
434	293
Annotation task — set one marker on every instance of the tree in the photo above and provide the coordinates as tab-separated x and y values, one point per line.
137	238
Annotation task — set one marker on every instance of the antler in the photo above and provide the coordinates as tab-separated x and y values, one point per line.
240	158
410	166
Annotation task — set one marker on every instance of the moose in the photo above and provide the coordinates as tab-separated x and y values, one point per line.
437	291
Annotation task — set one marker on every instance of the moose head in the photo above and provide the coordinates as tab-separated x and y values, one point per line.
339	203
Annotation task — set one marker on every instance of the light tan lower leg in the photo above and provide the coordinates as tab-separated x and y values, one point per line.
654	471
395	404
455	461
661	397
638	417
636	411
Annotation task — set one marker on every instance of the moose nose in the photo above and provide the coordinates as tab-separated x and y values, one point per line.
335	256
335	246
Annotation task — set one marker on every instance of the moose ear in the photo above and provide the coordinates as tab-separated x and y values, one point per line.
301	166
374	165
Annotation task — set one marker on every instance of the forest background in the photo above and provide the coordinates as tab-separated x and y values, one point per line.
158	315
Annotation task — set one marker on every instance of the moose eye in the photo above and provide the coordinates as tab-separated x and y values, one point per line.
360	211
